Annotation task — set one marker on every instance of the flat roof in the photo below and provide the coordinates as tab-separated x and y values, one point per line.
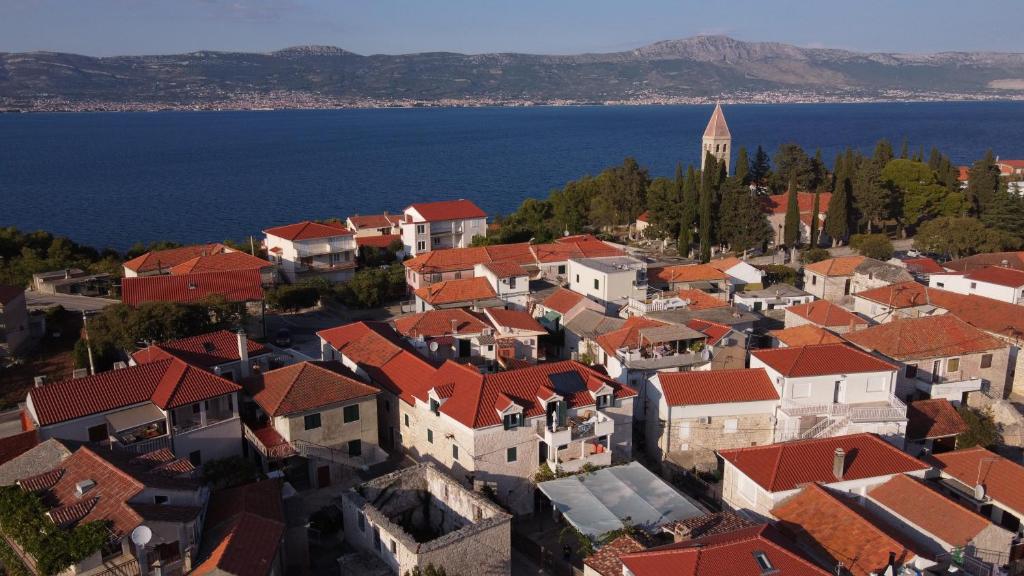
612	264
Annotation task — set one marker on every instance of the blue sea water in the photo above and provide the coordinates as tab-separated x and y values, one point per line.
112	179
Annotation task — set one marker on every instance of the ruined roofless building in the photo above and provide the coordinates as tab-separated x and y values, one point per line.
717	139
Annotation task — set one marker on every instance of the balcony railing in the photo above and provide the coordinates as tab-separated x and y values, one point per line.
144	446
576	429
949	388
890	410
657	360
273	451
445	230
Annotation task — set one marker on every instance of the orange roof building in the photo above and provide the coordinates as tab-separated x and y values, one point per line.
455	294
1001	480
804	335
824	314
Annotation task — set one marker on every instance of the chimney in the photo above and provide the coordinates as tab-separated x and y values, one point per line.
455	326
839	463
67	273
243	354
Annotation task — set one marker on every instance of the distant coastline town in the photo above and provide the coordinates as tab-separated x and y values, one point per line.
766	364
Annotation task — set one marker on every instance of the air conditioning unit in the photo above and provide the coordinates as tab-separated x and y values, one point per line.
704	420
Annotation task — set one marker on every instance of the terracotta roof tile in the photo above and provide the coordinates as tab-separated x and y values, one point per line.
734	553
374	220
456	291
606	560
717	386
777	203
925	337
699	300
448	210
686	273
244	530
233	286
454	259
381	242
433	323
933	418
165	259
841	266
583	246
826	314
307	230
842	530
628	336
820	359
804	335
306	386
713	330
994	316
505	269
785	466
645	217
562	300
205	350
924	507
1003	479
923	265
709	525
901	295
1008	259
221	262
16	445
513	319
997	275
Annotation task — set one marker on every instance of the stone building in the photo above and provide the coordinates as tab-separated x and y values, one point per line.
717	140
420	516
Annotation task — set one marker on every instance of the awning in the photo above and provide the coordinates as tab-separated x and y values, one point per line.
135	417
598	502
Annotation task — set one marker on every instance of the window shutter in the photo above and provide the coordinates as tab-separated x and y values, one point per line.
562	413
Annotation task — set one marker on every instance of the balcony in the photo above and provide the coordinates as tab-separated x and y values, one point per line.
442	230
951	389
591	424
659	359
265	439
591	453
890	410
138	430
317	265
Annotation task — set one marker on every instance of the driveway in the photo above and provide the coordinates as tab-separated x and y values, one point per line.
35	300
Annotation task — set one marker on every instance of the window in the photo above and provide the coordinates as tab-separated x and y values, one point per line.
511	455
512	283
940	284
513	420
312	421
763	562
730	426
421	246
577	278
435	407
362	522
196	458
430	436
159	499
986	360
419	228
814	280
406	420
376	538
952	365
394	547
98	433
458	274
350	414
974	285
910	371
603	400
801	389
561	269
597	284
490	347
455	451
355	448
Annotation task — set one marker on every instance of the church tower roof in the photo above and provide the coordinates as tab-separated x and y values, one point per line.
717	128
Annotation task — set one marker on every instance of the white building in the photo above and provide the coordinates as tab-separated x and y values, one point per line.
509	280
611	281
832	389
439	225
643	347
742	275
996	282
312	250
775	297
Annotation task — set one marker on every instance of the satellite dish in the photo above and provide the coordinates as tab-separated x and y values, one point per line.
979	492
142	535
433	346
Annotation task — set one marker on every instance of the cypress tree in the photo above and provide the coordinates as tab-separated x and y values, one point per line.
689	212
982	185
760	168
708	177
905	150
791	231
837	218
743	167
814	222
934	159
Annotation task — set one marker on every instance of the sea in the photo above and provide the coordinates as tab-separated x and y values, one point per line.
114	179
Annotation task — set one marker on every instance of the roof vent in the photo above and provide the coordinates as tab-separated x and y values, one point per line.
839	463
119	365
83	486
191	285
39	380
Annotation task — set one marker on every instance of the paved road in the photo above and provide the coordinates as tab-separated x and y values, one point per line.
35	301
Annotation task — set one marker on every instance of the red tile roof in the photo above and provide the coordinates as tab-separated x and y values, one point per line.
1003	479
9	293
827	314
708	525
777	203
713	330
925	337
454	259
16	445
221	262
701	300
733	554
820	359
923	265
1008	259
165	259
374	220
306	386
997	275
785	466
606	560
205	350
433	323
645	217
901	295
927	509
562	300
933	418
448	210
841	266
717	386
234	286
307	230
583	246
382	242
628	336
475	396
994	316
456	291
842	530
167	383
686	273
506	269
244	531
514	319
804	335
717	127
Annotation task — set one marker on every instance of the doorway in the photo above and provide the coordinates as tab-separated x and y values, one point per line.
323	476
839	394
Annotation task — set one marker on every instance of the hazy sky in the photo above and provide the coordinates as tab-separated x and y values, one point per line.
108	27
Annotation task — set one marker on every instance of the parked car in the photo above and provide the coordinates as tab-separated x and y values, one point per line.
283	338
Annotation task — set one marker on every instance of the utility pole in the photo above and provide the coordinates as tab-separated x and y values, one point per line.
88	344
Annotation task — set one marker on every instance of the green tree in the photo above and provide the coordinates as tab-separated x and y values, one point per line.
742	166
883	152
872	200
837	217
663	208
621	195
814	220
813	255
790	160
791	230
707	193
688	219
961	236
742	222
570	204
760	169
430	570
982	429
875	246
920	195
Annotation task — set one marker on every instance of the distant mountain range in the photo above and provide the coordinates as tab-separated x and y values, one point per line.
695	69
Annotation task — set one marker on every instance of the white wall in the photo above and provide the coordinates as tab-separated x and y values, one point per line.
962	285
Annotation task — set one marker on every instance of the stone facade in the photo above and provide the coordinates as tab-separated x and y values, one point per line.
451	527
831	288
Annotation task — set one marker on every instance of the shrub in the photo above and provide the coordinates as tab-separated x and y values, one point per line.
875	246
982	429
814	255
23	518
778	274
293	297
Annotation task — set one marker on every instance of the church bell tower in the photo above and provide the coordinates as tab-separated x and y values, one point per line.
717	139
